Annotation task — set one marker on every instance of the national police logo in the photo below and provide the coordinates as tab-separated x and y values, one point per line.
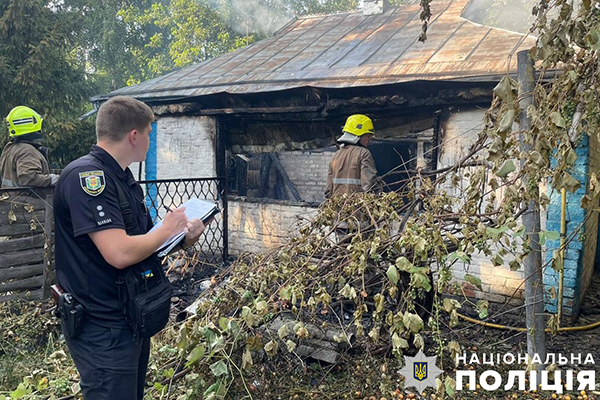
420	371
92	182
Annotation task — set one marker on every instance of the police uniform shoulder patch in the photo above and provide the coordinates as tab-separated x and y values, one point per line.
92	182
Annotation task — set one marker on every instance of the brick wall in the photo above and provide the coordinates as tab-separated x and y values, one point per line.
580	252
308	171
185	148
499	283
256	226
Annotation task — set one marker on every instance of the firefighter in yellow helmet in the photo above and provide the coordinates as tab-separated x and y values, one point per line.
352	168
23	162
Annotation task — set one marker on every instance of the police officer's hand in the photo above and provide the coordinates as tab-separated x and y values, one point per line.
175	220
193	230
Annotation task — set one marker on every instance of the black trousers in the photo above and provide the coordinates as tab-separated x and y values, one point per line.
111	364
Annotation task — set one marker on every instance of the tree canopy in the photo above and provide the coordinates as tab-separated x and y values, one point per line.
54	55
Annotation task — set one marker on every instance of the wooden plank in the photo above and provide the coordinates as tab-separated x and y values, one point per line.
24	271
14	259
22	284
22	203
49	276
22	217
24	243
28	295
20	229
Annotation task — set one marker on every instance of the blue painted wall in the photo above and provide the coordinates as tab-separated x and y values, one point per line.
151	172
573	265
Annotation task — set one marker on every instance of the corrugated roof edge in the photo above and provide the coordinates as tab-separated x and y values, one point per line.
156	99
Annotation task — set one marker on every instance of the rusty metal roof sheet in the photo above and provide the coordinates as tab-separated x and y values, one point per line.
349	50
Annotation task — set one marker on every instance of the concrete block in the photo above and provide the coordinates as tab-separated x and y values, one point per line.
552	244
575	244
553	223
551	307
570	282
568	292
573	254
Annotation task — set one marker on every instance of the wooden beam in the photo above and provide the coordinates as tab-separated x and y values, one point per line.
24	243
22	284
260	110
28	295
49	275
22	203
25	271
20	229
284	175
25	257
21	216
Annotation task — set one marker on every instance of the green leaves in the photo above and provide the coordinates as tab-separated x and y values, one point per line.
506	168
219	368
22	390
413	322
507	121
482	308
398	343
420	280
592	39
473	280
392	274
506	89
195	355
558	120
567	181
450	385
548	235
271	348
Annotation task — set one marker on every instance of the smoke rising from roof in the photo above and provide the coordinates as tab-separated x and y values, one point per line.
262	17
512	15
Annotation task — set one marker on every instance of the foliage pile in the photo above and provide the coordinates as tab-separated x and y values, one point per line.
33	359
365	263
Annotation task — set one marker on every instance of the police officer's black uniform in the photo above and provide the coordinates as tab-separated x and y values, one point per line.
111	363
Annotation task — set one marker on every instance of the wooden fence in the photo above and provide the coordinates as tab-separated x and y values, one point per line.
26	244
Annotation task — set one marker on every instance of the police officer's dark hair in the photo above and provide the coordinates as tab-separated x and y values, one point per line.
119	116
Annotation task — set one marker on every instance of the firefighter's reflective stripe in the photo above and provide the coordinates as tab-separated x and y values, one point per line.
346	181
8	183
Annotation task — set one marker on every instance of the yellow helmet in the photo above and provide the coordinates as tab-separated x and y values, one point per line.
22	120
358	125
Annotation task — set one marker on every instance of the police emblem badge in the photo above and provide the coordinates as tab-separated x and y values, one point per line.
420	371
92	182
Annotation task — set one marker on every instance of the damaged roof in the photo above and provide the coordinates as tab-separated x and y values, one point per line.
349	50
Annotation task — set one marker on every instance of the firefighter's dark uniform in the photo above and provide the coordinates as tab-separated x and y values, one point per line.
111	363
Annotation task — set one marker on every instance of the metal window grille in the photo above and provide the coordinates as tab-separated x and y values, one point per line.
164	193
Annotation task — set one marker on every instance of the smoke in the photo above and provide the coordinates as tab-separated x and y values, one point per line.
512	15
262	17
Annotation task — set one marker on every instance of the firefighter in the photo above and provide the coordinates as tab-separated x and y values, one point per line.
23	162
352	168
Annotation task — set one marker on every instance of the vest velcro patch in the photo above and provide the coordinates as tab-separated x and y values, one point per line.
92	182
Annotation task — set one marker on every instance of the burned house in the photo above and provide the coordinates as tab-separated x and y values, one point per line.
266	116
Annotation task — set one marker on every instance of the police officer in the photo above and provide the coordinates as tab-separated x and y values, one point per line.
93	246
352	168
23	162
